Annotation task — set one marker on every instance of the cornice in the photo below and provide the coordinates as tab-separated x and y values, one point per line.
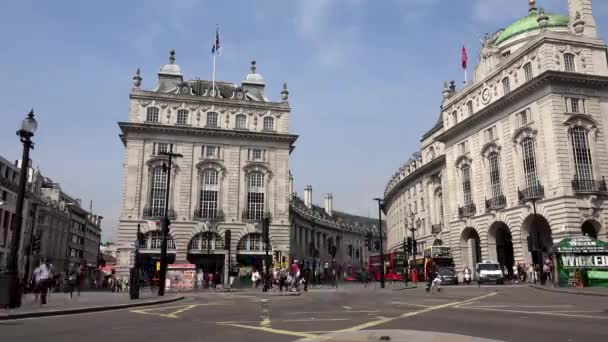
193	99
423	170
131	127
550	76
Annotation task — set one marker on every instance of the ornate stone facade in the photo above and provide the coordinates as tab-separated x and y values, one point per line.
233	171
526	136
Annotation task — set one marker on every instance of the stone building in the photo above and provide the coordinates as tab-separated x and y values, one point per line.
315	229
517	159
235	146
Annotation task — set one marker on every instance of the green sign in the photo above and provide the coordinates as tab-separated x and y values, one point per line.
581	245
584	260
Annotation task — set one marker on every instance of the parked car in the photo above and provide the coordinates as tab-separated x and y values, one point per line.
489	271
447	275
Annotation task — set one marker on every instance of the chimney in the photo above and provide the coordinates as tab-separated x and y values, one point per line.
328	204
308	196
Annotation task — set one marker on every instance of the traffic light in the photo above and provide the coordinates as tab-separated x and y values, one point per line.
408	245
266	229
227	239
36	245
368	242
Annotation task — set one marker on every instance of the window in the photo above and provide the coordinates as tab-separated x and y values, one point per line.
268	124
523	117
209	194
454	117
506	85
582	153
470	107
255	196
528	72
152	114
241	121
494	168
529	158
575	105
490	134
506	53
463	148
162	148
257	154
569	62
466	184
422	204
156	239
212	119
211	152
158	190
182	117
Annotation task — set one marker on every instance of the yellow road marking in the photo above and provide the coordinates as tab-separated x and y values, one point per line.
276	331
542	313
172	314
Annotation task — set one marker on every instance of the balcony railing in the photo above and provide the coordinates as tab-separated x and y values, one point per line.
589	185
208	215
436	228
153	212
467	210
531	194
495	203
254	215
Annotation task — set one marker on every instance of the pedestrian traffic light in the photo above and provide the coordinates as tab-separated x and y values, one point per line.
227	239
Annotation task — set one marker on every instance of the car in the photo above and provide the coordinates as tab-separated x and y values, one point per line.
489	271
447	275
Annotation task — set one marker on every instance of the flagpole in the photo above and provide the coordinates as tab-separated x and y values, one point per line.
213	81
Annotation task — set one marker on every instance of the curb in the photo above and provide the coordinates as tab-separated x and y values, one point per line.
580	293
406	288
85	309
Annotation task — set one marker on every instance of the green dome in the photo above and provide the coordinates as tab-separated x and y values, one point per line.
530	23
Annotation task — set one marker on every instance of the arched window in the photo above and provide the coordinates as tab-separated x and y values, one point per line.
454	117
528	72
158	191
154	239
494	173
212	119
506	85
206	241
268	124
182	117
582	153
241	121
569	62
528	147
255	196
250	242
152	114
209	194
466	185
470	107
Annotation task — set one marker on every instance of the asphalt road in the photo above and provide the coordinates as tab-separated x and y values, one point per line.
500	313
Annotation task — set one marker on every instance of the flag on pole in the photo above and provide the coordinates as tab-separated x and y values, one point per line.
216	45
464	58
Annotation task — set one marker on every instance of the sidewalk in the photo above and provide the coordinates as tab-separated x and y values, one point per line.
61	304
588	291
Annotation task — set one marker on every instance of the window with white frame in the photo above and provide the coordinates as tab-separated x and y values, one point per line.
212	119
211	152
257	154
152	114
463	148
209	194
158	190
582	153
241	121
162	148
528	74
470	107
575	105
251	242
490	134
569	62
256	190
268	124
528	147
183	117
466	184
494	173
506	85
156	239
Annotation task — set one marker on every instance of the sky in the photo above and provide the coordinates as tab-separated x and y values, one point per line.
365	79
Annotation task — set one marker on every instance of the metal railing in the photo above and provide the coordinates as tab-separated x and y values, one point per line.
255	215
497	202
213	215
532	193
436	228
467	210
155	212
589	185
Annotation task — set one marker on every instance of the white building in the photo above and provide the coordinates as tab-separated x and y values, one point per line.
235	144
526	135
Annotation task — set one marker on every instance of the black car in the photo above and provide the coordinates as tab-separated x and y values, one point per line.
447	275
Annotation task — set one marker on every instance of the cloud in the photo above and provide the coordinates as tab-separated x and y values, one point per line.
492	11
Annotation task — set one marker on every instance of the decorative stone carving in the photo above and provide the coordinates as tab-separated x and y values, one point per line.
137	79
145	103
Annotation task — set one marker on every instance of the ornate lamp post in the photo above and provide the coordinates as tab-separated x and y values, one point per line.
380	208
414	246
9	280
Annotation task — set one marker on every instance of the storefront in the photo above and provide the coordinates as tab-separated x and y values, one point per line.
581	262
180	276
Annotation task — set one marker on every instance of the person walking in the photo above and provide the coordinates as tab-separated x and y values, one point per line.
42	277
72	278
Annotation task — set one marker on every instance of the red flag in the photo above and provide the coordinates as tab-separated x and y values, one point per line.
464	57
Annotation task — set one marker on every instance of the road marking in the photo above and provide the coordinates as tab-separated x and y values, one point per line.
411	304
172	314
347	307
329	312
542	313
275	331
520	306
264	315
312	319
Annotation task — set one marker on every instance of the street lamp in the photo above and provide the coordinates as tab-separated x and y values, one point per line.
414	245
380	207
10	279
165	225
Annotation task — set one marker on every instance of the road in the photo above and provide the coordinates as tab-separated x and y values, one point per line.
505	313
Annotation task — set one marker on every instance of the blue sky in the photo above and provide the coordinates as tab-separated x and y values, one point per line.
365	78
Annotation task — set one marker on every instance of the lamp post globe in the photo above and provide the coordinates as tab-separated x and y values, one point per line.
28	125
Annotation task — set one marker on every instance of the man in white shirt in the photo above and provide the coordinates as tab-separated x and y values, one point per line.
42	275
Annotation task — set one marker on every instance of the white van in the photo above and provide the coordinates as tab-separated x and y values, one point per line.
489	271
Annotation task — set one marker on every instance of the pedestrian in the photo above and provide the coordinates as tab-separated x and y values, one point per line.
42	277
546	271
255	278
282	279
218	279
211	281
72	278
306	277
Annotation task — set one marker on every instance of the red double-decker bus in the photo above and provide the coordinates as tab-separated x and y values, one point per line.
394	266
